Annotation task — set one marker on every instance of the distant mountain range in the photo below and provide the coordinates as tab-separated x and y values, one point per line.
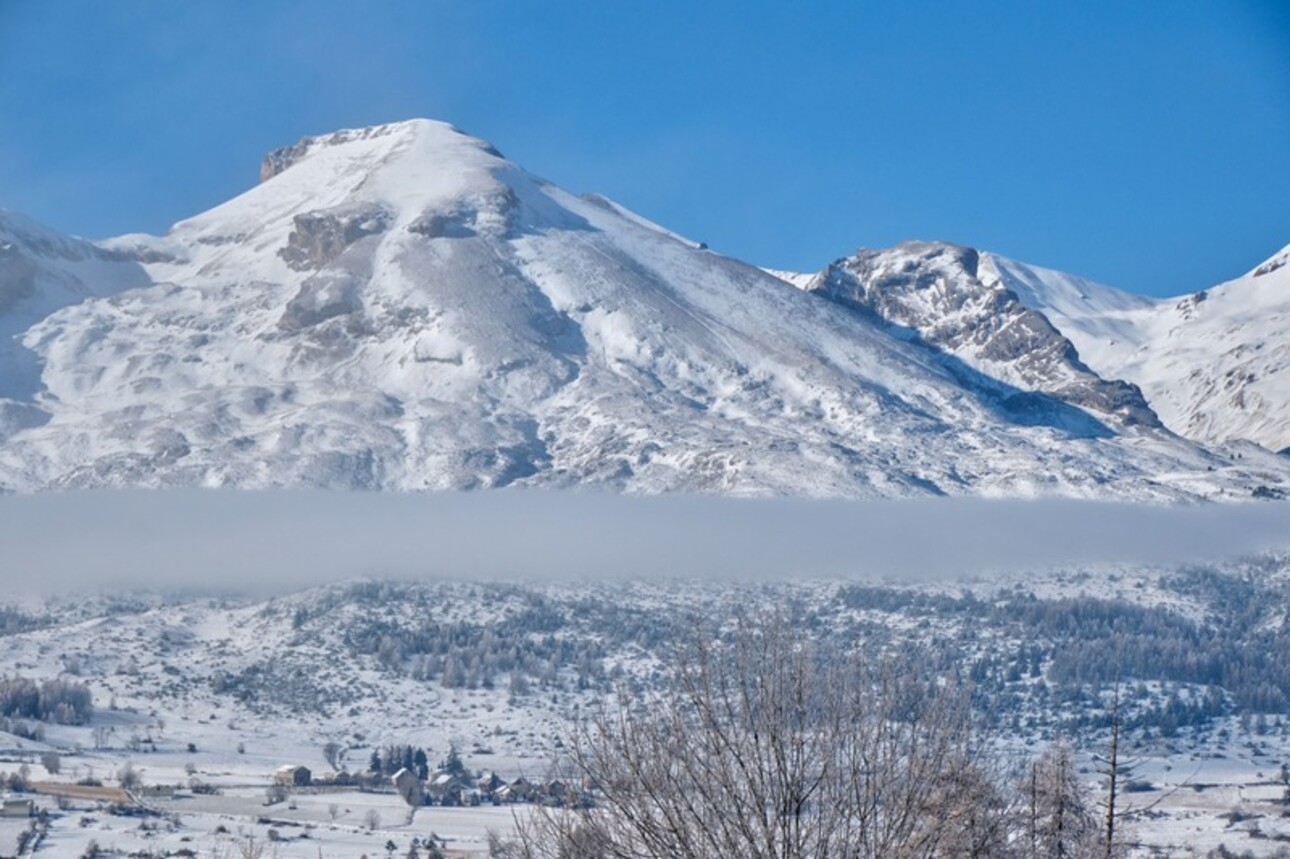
401	308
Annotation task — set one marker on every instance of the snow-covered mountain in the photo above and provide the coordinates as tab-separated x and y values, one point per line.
40	271
950	298
1214	365
400	307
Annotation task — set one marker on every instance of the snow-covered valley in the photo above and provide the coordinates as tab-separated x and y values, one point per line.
208	696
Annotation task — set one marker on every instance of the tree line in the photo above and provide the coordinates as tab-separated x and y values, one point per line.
64	702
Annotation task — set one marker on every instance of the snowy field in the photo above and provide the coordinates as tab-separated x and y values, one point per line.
227	825
1196	802
208	696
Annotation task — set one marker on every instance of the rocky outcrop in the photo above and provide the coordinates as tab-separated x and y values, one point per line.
496	213
1276	262
320	237
936	292
280	159
323	296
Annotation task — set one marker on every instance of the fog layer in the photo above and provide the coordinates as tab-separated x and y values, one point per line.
281	540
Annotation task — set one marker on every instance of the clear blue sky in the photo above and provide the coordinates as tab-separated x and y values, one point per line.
1144	144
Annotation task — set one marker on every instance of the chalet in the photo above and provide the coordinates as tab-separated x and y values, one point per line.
18	808
520	790
445	788
556	792
490	784
293	776
407	784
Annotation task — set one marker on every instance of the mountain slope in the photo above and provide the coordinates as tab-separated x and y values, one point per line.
1214	365
939	295
41	271
400	307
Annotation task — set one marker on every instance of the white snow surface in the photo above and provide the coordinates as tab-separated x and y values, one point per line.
798	279
1214	365
41	271
255	684
400	307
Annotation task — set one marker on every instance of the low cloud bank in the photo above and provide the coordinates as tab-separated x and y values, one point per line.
236	540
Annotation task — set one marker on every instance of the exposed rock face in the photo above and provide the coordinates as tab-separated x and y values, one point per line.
320	237
1188	307
938	294
324	296
1214	365
280	159
497	213
1271	265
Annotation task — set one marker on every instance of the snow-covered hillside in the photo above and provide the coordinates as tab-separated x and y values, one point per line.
400	307
939	295
1214	365
41	271
202	698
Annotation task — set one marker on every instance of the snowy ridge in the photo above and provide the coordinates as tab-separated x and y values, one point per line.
402	308
41	271
939	295
1214	365
797	278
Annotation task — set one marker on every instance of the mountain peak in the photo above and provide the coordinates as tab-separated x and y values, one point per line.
385	136
397	176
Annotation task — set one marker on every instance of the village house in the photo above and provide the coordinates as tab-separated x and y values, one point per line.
489	784
556	792
520	790
407	784
445	788
18	808
293	776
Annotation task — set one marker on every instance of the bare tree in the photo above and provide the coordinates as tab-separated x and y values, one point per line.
1114	768
1060	820
128	777
765	747
1119	773
248	848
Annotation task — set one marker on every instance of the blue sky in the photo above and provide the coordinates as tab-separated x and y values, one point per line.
1143	144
